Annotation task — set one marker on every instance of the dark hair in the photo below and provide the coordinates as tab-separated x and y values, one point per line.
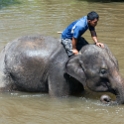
92	15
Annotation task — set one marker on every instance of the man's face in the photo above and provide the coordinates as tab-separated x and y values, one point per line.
93	22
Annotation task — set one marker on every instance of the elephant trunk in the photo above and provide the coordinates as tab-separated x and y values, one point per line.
118	86
120	92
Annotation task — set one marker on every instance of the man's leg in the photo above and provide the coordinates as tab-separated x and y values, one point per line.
67	43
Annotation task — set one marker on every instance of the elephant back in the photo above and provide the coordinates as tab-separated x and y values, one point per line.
27	59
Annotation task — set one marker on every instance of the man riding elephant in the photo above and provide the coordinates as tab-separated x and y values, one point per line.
71	36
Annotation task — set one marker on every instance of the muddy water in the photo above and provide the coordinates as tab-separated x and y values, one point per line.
46	17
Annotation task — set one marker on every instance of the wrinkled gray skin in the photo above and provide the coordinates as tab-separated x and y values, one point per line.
40	64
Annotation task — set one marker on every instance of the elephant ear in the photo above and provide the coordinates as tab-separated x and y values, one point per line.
74	67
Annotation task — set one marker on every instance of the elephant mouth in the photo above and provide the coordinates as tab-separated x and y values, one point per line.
105	82
107	85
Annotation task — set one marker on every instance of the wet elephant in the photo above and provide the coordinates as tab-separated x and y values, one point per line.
40	64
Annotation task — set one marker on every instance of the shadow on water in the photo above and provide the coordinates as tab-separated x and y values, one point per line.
103	1
5	3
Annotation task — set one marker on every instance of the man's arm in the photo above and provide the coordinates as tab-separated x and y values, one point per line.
94	37
74	43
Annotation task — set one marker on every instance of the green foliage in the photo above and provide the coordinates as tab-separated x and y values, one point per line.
4	3
104	1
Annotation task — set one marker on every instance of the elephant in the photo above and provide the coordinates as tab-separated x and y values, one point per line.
38	63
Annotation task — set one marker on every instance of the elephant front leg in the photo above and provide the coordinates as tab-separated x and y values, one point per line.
58	85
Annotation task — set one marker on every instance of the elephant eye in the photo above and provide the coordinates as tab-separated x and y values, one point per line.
103	71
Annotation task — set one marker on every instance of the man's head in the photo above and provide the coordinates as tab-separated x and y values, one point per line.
92	18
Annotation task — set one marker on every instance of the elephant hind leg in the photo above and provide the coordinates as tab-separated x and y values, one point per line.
7	83
21	83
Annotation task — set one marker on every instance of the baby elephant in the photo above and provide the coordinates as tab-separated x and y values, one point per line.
40	64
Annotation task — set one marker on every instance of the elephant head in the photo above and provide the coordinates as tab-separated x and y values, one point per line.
98	69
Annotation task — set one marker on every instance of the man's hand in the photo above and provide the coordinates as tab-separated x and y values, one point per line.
94	37
75	51
99	44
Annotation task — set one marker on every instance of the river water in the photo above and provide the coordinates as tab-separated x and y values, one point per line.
23	17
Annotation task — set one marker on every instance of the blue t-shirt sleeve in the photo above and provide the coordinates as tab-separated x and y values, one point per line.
76	31
91	28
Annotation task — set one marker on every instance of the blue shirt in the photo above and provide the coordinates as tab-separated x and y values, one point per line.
76	29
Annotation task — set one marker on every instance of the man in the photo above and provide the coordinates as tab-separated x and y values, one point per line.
71	36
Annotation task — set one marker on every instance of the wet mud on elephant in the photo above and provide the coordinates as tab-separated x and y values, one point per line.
40	64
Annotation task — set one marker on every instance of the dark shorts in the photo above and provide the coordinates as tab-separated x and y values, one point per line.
67	43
